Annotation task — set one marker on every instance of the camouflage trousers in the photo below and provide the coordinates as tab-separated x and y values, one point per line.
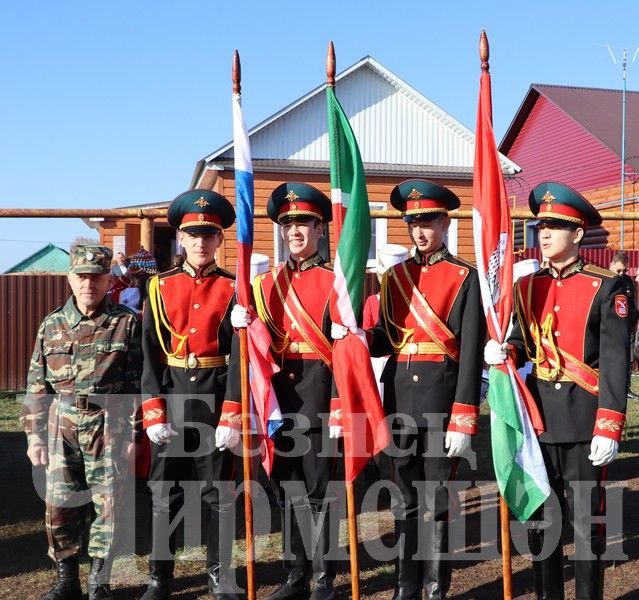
81	483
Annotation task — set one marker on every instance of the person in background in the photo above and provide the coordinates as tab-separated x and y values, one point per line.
120	267
85	366
621	265
130	295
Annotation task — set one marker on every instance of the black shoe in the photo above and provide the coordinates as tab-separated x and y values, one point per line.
295	588
220	585
323	589
99	588
632	395
68	586
161	574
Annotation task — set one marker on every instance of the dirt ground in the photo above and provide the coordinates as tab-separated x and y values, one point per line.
26	572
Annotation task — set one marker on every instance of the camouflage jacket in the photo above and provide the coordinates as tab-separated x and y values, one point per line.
75	355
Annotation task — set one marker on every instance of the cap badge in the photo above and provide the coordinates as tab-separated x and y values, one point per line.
415	195
291	196
548	197
201	202
89	256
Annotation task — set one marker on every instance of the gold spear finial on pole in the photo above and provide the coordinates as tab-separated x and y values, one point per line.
330	64
484	51
237	73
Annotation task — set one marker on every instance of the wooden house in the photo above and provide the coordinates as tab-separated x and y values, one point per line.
401	135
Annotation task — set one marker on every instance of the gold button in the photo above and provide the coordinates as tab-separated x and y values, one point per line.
462	271
556	309
560	284
193	378
415	377
423	294
557	386
424	269
294	347
162	282
293	326
198	281
263	276
557	333
297	275
232	284
196	306
291	375
595	283
193	330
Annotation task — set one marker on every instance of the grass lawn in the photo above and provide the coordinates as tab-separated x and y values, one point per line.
26	572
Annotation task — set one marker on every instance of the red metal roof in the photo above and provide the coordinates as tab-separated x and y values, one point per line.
596	110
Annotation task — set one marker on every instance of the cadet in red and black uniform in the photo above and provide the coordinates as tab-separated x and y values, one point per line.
431	323
293	301
186	336
572	321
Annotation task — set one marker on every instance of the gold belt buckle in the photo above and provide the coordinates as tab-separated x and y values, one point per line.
294	347
191	362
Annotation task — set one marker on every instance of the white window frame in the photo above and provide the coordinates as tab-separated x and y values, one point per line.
381	231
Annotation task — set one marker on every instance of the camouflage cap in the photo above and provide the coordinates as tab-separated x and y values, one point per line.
91	259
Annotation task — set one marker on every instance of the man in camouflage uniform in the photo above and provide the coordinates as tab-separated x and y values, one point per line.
87	356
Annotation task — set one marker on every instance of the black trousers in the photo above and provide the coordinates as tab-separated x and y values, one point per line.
415	463
577	485
303	467
188	458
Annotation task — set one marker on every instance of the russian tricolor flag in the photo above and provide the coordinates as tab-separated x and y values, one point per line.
262	367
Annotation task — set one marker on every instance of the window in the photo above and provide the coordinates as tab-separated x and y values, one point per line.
379	229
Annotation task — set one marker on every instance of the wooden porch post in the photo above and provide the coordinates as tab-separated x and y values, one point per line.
146	233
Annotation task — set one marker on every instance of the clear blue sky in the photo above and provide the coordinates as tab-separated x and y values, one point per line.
111	104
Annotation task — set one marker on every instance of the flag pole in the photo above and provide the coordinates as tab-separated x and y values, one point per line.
506	563
338	219
337	208
246	414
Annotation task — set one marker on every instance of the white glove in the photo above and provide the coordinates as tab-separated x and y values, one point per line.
160	433
495	353
456	443
603	450
338	332
240	317
335	431
226	437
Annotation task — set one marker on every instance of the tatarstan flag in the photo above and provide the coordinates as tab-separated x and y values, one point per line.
515	421
365	430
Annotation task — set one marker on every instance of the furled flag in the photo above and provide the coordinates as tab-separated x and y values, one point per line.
262	366
365	430
515	420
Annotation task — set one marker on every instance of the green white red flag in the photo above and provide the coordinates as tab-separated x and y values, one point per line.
515	420
365	429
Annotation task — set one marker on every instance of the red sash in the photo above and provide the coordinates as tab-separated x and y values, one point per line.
424	314
307	328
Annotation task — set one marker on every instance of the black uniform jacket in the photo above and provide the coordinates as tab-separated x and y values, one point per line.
195	307
430	381
584	312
